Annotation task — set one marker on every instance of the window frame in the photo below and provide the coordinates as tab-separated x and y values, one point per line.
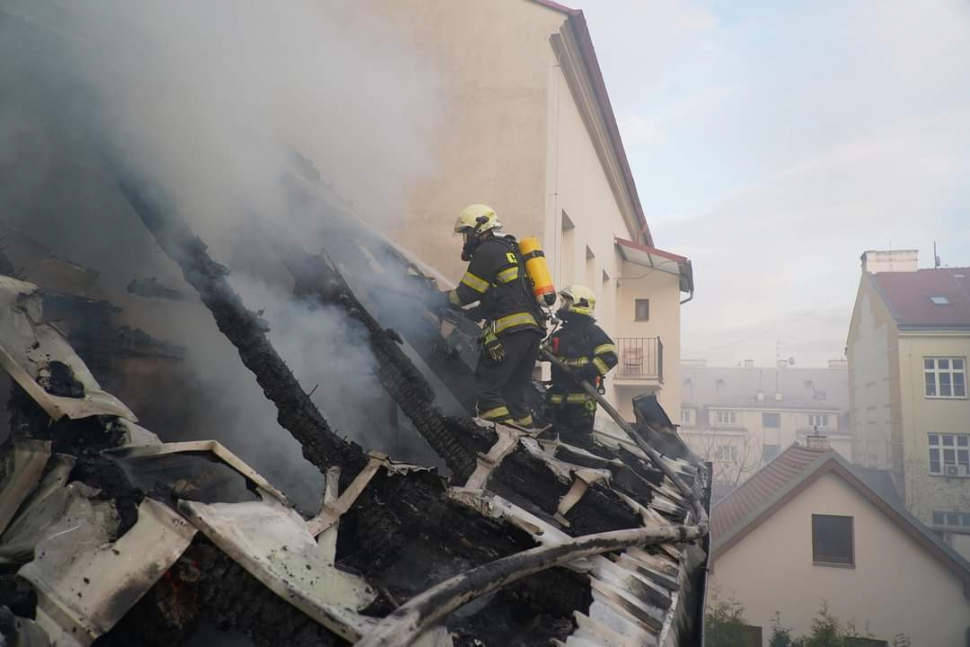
815	417
727	413
775	451
764	420
959	445
962	518
949	371
636	309
828	562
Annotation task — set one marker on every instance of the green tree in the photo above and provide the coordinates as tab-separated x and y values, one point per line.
724	624
780	635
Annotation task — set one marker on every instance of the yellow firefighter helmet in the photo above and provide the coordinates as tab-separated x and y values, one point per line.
477	219
579	299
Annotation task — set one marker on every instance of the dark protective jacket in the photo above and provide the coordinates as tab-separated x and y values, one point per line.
496	277
580	344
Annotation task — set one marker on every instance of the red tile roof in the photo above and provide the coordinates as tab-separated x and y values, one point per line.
578	23
907	295
737	506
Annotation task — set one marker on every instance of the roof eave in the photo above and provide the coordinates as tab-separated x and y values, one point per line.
577	23
685	269
833	462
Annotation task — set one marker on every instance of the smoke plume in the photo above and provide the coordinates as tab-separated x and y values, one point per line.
211	101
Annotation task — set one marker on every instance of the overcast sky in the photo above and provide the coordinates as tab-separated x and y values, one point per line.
774	142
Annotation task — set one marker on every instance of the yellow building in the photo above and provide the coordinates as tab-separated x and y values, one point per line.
741	417
810	527
529	129
908	348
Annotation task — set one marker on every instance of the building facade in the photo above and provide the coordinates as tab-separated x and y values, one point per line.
742	417
908	348
812	528
529	130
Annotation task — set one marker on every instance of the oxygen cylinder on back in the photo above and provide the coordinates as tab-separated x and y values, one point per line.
538	270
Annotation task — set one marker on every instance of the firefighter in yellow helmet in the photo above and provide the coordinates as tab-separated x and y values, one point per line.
588	352
513	328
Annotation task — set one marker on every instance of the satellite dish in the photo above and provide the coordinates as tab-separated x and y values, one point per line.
791	361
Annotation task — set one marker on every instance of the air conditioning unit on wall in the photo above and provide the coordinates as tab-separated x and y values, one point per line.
956	471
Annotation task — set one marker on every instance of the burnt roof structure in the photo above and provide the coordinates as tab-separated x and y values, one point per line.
105	530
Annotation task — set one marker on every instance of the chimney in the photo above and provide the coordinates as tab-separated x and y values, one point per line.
817	441
838	363
896	260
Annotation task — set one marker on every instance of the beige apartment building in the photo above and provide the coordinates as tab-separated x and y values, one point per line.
908	348
810	528
742	417
529	129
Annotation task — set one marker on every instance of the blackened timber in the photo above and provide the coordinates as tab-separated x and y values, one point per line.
295	411
317	278
346	235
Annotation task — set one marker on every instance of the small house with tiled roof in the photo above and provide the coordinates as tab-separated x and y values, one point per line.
811	528
908	349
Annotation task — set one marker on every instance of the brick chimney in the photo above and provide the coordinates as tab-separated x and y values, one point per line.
838	363
896	260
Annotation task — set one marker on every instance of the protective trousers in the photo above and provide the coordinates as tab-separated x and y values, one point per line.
502	387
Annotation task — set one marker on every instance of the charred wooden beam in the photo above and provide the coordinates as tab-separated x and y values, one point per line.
295	411
318	279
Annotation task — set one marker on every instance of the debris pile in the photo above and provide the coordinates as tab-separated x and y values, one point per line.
110	537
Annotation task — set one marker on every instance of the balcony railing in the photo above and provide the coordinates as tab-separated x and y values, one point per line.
641	358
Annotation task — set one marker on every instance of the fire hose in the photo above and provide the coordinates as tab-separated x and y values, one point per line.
405	624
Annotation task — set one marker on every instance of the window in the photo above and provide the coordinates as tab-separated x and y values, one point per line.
686	415
952	520
946	377
727	452
643	310
949	449
940	301
769	452
772	420
832	540
820	420
725	417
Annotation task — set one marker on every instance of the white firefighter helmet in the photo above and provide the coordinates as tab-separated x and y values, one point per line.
579	299
477	219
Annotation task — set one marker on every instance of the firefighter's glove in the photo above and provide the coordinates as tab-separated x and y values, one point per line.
492	348
476	313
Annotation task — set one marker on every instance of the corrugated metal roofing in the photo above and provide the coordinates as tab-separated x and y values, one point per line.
908	296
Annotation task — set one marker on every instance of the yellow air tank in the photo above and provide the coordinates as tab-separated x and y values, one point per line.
537	269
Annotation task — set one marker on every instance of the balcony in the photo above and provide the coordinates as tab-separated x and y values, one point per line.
641	361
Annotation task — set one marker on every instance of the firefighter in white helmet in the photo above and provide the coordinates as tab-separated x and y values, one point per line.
513	329
588	352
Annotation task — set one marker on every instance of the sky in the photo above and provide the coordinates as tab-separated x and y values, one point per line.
772	143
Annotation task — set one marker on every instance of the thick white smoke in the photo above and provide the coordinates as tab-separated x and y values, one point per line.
210	100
